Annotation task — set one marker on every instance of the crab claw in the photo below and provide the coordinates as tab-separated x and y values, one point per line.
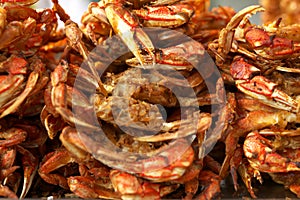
263	89
262	156
179	57
127	27
173	16
239	20
242	70
243	15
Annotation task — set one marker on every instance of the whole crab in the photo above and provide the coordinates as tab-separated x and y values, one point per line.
252	58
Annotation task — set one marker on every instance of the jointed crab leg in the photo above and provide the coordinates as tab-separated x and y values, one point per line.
287	69
12	137
87	188
248	173
74	35
30	165
53	161
71	141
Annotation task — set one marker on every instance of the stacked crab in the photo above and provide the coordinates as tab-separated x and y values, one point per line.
115	108
102	103
261	68
24	76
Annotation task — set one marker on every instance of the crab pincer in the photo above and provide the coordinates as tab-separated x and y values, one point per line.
239	20
127	26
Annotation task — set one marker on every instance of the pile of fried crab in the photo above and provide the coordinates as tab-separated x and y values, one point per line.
146	99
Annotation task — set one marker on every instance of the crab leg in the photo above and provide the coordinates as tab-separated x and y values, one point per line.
3	15
248	173
12	137
71	141
7	160
211	182
16	68
162	2
288	69
74	35
85	187
52	124
53	161
130	187
30	165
